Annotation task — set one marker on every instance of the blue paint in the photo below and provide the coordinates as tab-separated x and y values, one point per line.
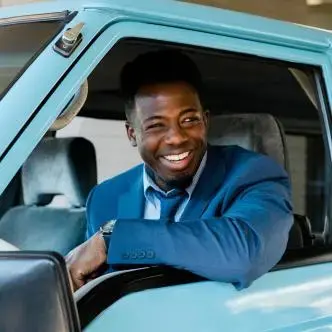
194	17
288	300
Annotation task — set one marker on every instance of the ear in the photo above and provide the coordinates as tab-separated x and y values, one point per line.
206	115
131	134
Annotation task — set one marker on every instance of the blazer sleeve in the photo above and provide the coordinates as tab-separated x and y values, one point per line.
245	242
89	206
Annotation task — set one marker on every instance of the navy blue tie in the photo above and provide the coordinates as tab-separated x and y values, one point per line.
169	204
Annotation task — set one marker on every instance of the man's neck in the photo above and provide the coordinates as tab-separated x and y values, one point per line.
188	184
167	186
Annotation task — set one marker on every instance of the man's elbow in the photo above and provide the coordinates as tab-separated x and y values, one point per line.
240	271
249	272
248	268
248	262
259	264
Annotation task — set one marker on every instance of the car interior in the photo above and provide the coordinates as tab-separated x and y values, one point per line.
264	105
66	167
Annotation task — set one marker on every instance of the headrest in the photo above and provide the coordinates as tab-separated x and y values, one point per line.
261	133
60	166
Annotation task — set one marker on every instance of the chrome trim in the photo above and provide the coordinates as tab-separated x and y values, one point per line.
34	18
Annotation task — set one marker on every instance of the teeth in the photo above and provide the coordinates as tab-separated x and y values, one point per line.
177	157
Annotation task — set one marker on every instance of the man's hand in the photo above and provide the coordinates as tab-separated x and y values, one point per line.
85	261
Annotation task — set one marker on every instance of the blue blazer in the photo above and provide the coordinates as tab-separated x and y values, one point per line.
234	228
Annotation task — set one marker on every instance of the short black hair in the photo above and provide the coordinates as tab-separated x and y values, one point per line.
164	66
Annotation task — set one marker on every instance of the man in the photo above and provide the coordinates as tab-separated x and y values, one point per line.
221	212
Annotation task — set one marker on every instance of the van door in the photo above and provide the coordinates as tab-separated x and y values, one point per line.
31	69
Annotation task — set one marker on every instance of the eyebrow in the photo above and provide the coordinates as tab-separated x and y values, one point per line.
159	117
189	110
154	117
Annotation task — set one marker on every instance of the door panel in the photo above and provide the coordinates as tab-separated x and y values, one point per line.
297	299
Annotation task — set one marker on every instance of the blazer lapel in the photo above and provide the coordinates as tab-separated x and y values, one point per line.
207	185
131	204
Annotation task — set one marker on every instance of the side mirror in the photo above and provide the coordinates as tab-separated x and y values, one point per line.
36	293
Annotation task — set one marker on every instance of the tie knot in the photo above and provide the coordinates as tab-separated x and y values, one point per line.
170	203
174	193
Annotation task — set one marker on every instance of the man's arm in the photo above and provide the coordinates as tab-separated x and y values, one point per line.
246	242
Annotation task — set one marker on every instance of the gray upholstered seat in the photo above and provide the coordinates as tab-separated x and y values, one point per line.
64	166
261	133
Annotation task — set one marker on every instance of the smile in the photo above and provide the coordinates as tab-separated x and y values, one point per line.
177	157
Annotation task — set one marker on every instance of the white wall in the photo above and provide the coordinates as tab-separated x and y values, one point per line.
114	152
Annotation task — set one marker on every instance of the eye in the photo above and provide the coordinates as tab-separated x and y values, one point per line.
154	126
191	119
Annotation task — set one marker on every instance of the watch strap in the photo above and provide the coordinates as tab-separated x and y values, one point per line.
107	239
106	231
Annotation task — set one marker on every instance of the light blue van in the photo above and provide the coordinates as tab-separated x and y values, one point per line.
268	88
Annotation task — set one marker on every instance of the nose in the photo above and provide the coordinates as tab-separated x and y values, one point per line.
176	135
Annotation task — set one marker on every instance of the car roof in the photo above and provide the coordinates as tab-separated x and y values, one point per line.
191	16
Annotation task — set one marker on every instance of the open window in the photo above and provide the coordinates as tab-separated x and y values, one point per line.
234	84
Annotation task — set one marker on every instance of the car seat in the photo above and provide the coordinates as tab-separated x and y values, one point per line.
264	134
58	166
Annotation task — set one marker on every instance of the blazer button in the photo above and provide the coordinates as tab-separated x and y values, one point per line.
125	255
150	254
133	255
141	254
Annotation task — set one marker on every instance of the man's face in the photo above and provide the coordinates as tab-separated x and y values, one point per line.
169	128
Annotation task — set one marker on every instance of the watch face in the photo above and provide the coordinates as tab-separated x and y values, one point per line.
108	227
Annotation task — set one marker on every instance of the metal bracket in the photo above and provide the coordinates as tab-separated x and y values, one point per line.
69	41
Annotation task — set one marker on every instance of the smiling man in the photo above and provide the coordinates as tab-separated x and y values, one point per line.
221	212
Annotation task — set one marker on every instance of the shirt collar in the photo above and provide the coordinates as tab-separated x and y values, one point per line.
149	183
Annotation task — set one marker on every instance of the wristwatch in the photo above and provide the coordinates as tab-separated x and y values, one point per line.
106	231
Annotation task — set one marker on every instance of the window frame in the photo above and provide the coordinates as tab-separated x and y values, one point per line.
175	35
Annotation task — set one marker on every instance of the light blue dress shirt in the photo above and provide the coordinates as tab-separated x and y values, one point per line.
152	202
